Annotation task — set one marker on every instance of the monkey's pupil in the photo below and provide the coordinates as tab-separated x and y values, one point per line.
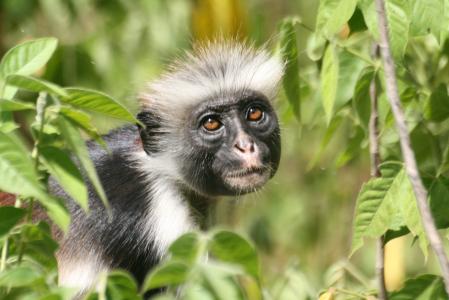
211	124
254	114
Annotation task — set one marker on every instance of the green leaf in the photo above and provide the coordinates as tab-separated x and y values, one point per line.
121	285
219	282
18	277
77	145
376	210
28	57
15	105
17	169
439	202
329	81
186	248
232	248
333	14
35	85
83	121
289	53
9	216
438	106
99	103
61	167
168	274
19	177
426	17
362	99
398	18
421	288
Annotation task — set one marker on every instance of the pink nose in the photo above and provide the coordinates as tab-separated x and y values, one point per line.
245	146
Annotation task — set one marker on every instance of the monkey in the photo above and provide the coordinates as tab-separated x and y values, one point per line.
210	130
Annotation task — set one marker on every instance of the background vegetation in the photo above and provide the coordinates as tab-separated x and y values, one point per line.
302	223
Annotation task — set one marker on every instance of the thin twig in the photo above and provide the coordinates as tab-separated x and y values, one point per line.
409	157
375	172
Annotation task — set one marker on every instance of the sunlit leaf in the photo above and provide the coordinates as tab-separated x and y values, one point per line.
232	248
15	105
329	81
99	103
28	57
289	52
35	85
17	169
427	17
64	171
398	18
333	14
219	283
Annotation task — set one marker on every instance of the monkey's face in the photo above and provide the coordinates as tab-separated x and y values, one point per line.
234	144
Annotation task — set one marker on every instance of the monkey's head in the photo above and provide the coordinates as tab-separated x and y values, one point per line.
209	120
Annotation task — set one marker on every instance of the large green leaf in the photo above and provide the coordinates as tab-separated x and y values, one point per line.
99	103
218	280
9	216
77	145
376	210
424	287
61	167
232	248
289	52
35	85
333	14
28	57
329	81
168	274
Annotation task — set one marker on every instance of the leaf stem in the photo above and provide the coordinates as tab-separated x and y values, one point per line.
4	254
375	172
411	166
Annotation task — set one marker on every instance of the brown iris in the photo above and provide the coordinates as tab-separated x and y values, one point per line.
254	114
211	124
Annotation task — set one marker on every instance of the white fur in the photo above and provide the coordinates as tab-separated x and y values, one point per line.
214	69
168	215
81	273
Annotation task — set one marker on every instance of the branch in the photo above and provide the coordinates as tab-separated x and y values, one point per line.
375	172
411	167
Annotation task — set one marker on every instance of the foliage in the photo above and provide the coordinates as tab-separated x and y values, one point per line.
306	215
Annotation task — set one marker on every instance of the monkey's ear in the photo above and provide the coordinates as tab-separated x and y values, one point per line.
149	133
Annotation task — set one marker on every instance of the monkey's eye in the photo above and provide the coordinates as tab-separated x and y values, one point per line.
254	114
211	123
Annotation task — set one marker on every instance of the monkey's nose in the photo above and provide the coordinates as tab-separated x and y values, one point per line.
245	145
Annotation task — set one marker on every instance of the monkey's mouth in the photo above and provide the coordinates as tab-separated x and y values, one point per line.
247	180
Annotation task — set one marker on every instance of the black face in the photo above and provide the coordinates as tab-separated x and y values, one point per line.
235	145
